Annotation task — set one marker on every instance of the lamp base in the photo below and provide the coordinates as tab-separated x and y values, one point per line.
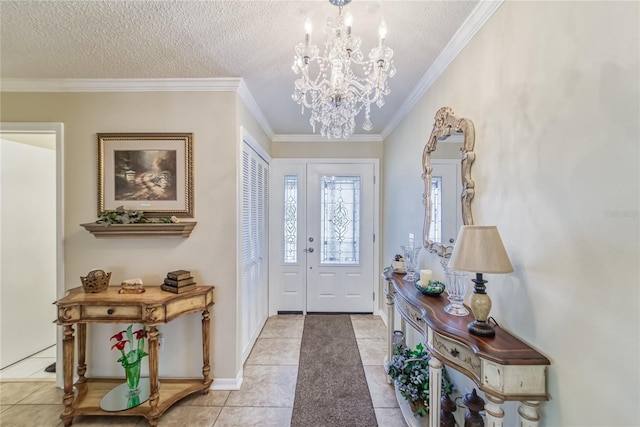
481	329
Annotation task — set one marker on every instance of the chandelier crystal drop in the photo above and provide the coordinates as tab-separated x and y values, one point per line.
337	94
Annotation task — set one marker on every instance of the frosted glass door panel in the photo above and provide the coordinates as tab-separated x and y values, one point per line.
340	220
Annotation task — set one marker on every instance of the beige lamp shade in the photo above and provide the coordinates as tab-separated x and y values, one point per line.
479	249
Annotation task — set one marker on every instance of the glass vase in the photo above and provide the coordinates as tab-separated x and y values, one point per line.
132	374
410	261
456	290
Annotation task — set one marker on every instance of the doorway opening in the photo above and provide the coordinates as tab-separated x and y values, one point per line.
31	264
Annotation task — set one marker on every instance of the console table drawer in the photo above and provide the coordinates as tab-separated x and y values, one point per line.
131	312
412	314
456	353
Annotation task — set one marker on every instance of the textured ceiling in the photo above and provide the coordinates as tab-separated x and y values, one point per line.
202	39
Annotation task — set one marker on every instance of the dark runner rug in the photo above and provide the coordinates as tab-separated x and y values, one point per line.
332	389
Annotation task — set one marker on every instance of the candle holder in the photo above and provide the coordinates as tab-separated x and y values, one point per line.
456	290
410	261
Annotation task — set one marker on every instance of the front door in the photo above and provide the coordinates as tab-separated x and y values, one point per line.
322	247
340	233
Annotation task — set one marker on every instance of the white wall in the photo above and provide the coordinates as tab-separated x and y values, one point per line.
208	252
28	247
553	91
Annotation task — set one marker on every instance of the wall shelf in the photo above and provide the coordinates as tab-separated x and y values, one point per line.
129	231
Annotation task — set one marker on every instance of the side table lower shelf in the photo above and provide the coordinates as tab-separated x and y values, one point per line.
89	394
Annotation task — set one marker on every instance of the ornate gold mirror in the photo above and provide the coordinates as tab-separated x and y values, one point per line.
447	125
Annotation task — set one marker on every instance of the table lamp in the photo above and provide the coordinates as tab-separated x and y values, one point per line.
479	250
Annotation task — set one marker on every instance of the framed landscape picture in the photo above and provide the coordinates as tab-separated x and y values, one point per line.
150	172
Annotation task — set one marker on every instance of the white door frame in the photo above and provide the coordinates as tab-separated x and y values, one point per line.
275	187
58	130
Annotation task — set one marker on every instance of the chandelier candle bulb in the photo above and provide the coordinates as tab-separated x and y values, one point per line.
382	32
307	31
348	21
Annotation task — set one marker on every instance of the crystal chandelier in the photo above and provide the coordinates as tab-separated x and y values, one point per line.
336	95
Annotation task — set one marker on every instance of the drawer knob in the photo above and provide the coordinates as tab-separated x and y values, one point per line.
454	352
110	311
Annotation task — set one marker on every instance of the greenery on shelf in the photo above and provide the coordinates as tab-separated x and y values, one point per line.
126	216
410	371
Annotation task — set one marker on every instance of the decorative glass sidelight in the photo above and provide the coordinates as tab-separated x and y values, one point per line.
340	220
290	219
435	230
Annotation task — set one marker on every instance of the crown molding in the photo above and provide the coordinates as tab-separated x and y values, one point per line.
249	100
217	84
121	85
474	22
320	138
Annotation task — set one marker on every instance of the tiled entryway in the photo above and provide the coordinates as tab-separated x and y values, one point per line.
32	367
265	398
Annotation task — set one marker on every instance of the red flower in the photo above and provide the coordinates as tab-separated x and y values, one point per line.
119	336
141	333
119	345
136	345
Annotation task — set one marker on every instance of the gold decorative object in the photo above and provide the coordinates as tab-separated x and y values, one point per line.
95	281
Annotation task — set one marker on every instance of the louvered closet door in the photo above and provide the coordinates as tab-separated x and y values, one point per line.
255	172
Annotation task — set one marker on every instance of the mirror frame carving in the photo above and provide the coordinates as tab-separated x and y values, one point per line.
445	121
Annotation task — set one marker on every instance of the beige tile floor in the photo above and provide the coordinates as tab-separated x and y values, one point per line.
265	398
32	367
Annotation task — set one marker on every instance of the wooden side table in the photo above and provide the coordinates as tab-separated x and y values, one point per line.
151	308
503	367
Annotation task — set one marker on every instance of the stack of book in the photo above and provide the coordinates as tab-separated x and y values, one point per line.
178	282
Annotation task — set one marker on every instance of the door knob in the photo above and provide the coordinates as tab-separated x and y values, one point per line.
451	240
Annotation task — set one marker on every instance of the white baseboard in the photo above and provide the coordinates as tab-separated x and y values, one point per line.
227	383
383	316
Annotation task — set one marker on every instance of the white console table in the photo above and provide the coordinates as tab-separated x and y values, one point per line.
503	367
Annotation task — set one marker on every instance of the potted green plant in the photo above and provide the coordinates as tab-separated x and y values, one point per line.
409	369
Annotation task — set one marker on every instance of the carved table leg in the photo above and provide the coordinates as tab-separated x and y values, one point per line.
154	395
390	324
493	408
206	350
82	352
435	379
529	416
68	344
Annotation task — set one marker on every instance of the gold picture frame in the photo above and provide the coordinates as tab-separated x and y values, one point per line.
151	172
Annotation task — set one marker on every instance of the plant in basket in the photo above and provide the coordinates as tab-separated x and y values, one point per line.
410	371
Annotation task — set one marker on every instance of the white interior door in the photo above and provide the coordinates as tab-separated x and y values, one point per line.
322	242
255	201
